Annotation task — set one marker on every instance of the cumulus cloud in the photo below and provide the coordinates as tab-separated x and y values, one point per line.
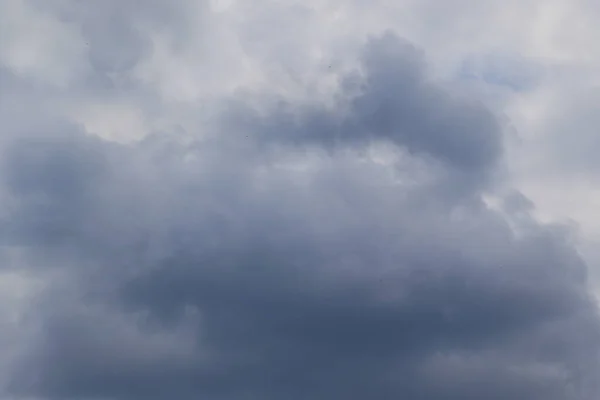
335	246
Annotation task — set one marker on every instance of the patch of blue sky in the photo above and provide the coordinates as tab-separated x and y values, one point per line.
512	72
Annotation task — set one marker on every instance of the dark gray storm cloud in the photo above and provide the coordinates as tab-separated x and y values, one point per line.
267	260
391	98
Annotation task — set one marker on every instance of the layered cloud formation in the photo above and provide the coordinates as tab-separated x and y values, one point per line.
260	242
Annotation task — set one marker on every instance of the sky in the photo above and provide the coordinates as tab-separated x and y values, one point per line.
318	199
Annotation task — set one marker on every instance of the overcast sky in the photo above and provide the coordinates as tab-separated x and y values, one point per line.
285	199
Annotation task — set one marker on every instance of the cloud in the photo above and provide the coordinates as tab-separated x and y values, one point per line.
288	247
